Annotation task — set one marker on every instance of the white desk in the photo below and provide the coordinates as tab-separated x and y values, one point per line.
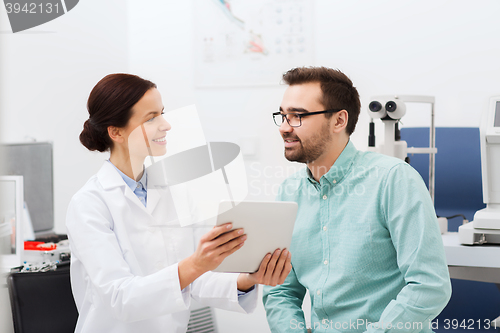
472	262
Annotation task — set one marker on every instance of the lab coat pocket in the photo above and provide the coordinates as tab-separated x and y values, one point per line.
355	250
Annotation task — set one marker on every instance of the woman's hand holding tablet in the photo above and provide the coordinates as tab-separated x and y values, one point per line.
212	249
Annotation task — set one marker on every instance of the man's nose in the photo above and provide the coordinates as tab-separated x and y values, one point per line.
285	127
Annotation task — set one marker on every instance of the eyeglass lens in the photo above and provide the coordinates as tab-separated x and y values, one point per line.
292	119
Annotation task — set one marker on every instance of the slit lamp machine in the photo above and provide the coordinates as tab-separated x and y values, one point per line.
390	109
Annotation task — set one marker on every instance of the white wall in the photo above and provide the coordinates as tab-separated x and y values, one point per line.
46	74
448	49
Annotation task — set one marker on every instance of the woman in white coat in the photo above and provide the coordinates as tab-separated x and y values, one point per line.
133	268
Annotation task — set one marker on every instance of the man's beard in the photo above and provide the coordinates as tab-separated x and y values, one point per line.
310	149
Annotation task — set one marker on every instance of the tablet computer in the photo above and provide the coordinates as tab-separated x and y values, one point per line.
268	226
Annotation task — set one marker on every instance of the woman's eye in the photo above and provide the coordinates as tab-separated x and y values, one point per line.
151	119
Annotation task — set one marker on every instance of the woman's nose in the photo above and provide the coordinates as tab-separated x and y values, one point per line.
165	125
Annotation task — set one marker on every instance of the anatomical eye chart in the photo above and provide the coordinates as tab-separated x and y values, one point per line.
251	42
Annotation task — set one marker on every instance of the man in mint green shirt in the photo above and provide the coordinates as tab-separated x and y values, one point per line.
366	243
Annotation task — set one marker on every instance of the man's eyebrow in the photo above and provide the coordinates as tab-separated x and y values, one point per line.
295	110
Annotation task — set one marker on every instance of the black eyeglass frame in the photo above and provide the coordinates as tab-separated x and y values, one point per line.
300	115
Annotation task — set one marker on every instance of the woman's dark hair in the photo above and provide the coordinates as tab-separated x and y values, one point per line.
110	104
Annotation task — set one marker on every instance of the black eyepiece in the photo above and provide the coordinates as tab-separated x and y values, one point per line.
375	106
391	106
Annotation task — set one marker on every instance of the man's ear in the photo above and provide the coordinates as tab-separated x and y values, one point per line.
115	134
339	121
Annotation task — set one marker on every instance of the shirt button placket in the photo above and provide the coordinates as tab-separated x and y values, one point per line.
325	216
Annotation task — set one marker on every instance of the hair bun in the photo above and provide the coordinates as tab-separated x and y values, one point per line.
91	137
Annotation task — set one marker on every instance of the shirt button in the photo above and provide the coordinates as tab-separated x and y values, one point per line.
334	181
138	185
324	228
324	197
325	262
318	292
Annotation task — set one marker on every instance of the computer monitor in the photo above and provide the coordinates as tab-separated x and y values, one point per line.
33	161
11	214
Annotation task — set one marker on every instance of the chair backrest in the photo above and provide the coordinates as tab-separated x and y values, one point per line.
42	302
458	169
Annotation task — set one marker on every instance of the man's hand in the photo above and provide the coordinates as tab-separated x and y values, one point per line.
273	270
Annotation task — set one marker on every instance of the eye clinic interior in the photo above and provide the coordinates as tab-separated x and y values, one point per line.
425	48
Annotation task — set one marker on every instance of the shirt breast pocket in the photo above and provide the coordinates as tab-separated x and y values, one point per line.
355	247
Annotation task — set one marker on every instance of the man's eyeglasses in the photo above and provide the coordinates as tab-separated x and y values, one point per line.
295	119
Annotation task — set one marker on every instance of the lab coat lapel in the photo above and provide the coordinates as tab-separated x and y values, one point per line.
156	186
153	198
132	197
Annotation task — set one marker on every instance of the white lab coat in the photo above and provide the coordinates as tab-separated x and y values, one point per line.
124	273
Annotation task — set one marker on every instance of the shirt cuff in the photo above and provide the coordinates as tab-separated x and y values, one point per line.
248	300
242	293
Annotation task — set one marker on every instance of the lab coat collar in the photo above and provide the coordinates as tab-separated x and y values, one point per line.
131	183
109	178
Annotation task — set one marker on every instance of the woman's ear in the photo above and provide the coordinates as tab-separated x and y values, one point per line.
339	121
115	134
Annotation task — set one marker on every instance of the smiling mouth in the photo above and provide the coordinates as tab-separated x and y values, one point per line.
160	139
289	143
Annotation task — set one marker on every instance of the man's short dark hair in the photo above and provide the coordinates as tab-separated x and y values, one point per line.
337	88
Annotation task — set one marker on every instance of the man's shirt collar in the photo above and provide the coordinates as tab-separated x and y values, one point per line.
340	168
